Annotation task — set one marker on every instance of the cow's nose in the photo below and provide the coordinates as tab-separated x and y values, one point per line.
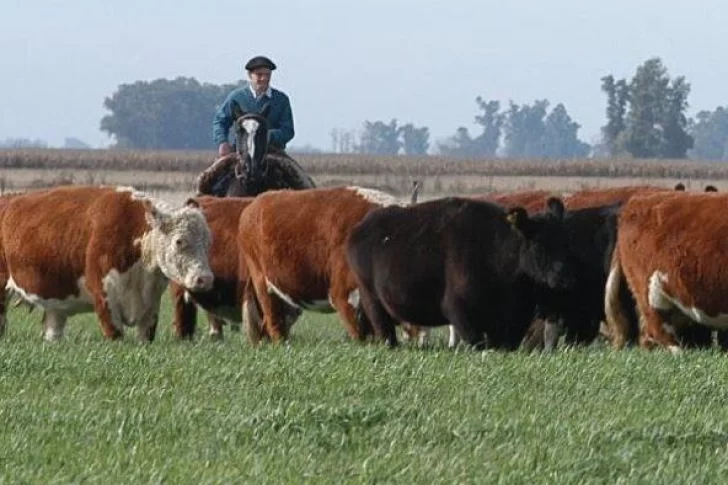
204	282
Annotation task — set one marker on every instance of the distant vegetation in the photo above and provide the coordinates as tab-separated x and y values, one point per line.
319	163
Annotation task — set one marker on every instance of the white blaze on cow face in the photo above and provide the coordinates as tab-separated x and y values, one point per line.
660	300
251	128
179	244
376	196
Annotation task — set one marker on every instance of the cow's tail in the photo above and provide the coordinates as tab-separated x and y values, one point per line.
617	320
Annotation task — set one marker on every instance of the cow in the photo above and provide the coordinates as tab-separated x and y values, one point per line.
293	246
227	300
470	264
76	249
669	251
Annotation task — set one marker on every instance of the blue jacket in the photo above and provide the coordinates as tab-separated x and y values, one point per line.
280	117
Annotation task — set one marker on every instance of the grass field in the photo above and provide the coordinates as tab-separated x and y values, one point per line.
325	410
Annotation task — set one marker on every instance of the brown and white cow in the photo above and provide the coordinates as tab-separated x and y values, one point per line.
226	298
671	251
293	245
77	249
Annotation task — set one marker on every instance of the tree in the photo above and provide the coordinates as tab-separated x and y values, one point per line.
491	120
710	132
174	114
524	130
415	141
617	98
381	138
654	125
23	143
560	136
486	143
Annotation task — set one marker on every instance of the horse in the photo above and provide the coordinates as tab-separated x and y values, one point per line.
255	166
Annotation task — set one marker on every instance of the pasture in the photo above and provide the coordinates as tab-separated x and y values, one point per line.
326	410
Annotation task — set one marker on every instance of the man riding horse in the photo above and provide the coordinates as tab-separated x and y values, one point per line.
263	122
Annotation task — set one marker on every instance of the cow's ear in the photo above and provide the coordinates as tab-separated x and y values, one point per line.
555	208
192	203
516	217
155	217
236	110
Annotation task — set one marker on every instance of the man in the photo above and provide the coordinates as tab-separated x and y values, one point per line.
252	97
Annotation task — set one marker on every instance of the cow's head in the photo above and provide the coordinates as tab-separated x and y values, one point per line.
179	244
545	254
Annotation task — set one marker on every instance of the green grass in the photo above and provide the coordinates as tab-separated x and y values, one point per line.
324	410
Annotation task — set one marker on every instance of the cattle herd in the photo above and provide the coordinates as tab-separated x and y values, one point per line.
635	265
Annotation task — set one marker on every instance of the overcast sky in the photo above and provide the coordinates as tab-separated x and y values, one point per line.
343	62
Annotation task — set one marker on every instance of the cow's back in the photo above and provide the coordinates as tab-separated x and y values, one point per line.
531	200
612	195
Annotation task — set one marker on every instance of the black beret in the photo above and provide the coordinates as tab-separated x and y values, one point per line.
259	61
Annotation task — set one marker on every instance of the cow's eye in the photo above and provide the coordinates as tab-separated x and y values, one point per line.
178	242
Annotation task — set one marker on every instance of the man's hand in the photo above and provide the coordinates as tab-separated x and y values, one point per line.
224	149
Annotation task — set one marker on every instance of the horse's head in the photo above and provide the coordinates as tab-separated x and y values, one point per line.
251	133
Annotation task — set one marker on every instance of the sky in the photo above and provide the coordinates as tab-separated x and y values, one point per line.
344	62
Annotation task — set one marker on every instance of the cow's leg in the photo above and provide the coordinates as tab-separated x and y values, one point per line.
252	315
457	311
414	333
3	308
383	324
53	325
147	328
270	307
103	312
653	330
535	335
185	313
454	337
617	320
340	298
215	324
723	339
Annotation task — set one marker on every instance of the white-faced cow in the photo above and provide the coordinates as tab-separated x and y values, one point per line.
456	261
227	296
293	246
670	250
110	250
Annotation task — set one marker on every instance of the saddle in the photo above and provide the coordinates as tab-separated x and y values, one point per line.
284	171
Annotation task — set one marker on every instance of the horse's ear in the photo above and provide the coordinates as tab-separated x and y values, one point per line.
236	110
266	110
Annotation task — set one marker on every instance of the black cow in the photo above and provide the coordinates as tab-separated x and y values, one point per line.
592	236
467	263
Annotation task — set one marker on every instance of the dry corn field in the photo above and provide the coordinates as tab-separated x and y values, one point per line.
173	173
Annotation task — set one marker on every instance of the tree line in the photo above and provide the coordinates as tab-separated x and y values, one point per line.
645	118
